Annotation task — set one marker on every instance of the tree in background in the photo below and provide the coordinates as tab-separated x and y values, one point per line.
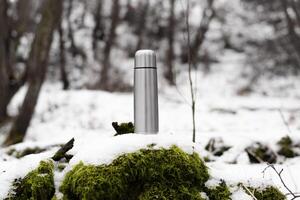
279	53
107	82
62	57
141	24
169	72
37	67
12	29
199	38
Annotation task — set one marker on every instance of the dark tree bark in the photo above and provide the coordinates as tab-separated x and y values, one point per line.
141	23
10	34
169	73
98	31
208	15
37	67
130	13
74	49
4	83
104	82
292	34
62	59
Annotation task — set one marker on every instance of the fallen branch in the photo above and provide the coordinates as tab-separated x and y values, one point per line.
62	152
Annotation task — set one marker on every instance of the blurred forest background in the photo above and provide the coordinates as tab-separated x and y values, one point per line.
89	44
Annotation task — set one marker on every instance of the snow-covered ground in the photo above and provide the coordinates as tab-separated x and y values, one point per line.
238	120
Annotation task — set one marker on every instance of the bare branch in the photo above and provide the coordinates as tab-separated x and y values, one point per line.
279	174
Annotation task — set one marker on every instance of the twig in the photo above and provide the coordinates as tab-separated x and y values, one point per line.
192	89
279	174
250	193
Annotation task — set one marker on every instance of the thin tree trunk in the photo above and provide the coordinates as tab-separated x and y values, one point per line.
9	85
37	65
62	62
292	35
169	73
104	81
3	61
141	24
98	31
208	15
130	13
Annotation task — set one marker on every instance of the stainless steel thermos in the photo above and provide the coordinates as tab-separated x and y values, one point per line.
145	92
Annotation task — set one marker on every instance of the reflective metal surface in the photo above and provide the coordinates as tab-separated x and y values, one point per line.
145	92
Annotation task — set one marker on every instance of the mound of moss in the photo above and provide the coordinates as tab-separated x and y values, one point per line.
145	174
259	153
286	147
123	128
25	152
269	193
36	185
164	192
217	147
219	192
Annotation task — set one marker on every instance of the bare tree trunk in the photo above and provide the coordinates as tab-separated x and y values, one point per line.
130	13
169	73
292	34
62	62
37	65
74	49
296	8
98	31
4	83
141	24
104	81
9	42
208	15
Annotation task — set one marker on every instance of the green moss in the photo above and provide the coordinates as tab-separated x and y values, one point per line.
138	175
164	192
260	153
25	152
269	193
220	192
217	147
286	147
61	166
123	128
287	152
36	185
285	141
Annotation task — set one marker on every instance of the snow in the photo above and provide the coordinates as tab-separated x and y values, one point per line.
237	120
240	194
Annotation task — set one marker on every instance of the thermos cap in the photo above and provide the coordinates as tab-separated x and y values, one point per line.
145	59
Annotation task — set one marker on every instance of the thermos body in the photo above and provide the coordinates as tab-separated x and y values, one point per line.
145	92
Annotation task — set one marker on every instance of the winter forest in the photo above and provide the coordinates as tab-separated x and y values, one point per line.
71	100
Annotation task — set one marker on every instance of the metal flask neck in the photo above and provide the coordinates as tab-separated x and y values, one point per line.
145	92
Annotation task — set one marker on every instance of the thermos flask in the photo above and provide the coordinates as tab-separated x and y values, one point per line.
145	92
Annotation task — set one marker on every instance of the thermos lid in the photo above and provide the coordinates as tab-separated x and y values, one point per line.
145	59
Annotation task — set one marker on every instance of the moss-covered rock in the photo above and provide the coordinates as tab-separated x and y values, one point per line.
25	152
164	192
36	185
268	193
219	192
259	153
286	147
216	146
123	128
139	175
